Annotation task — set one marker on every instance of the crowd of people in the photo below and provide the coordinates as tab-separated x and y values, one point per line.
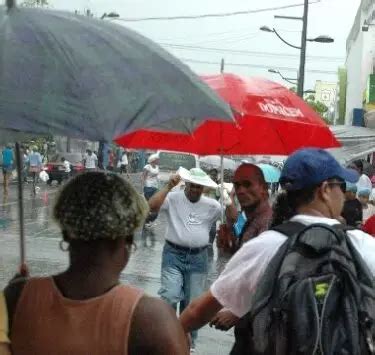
300	279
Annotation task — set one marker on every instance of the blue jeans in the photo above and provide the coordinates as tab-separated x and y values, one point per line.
183	277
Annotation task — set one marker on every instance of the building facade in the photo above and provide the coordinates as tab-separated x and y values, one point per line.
360	63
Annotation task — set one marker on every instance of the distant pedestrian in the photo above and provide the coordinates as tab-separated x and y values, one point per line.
35	167
364	181
150	182
352	211
67	169
90	161
150	176
368	209
111	160
8	161
124	163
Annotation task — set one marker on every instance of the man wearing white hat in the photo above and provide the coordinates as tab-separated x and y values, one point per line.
190	216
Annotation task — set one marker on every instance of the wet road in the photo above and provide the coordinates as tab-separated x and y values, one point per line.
45	258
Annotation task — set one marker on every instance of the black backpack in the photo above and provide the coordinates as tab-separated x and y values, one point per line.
317	296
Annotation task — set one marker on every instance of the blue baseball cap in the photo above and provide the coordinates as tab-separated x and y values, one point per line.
310	167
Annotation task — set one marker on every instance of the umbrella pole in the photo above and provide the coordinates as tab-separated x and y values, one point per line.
19	162
222	186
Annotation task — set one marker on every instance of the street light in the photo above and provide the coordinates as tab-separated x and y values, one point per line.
319	39
292	81
302	47
322	39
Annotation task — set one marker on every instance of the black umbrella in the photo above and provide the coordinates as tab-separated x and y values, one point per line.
70	75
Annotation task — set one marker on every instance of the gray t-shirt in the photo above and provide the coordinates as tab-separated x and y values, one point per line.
189	223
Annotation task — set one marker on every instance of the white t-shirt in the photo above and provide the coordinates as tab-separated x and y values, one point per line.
67	166
368	212
189	223
152	177
238	282
364	183
90	161
124	160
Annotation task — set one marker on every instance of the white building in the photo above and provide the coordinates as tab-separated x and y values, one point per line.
360	59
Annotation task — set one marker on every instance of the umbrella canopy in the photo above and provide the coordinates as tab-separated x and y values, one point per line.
271	173
270	119
76	76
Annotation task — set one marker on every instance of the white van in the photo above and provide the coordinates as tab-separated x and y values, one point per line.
171	161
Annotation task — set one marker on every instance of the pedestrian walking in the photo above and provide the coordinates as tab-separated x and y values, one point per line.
35	167
111	160
190	217
8	161
124	162
255	217
26	165
289	303
90	161
85	309
150	183
67	169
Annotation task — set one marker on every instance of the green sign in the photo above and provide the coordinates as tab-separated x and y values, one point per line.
370	94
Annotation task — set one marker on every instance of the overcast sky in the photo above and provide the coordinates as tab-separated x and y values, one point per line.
328	17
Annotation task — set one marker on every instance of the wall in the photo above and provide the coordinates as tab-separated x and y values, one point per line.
360	59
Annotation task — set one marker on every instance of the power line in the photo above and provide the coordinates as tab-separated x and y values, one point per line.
245	52
225	14
259	66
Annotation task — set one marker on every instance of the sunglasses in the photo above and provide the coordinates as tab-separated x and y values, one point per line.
340	184
195	186
245	184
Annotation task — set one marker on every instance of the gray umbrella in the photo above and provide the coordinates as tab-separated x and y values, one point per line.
69	75
66	74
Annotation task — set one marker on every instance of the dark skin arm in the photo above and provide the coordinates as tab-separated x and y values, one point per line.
200	312
155	330
224	320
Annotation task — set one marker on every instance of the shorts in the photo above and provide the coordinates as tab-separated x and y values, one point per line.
7	169
34	169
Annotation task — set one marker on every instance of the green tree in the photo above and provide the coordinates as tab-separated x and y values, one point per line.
318	107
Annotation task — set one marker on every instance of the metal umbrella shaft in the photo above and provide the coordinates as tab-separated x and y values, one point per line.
19	164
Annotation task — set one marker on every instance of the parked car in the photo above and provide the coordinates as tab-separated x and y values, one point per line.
56	169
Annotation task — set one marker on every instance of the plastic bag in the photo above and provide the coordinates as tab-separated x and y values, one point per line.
43	176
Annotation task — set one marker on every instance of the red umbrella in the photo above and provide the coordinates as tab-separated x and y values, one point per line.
270	119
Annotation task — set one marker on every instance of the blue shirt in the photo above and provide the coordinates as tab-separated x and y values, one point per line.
7	157
35	159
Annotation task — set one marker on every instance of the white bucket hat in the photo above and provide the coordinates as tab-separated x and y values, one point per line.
196	176
153	157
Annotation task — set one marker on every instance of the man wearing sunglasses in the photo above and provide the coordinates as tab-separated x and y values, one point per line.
190	216
314	193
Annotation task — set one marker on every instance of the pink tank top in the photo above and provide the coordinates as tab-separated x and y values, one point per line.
46	323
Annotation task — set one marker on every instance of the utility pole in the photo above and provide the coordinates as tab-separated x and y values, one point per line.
301	74
222	65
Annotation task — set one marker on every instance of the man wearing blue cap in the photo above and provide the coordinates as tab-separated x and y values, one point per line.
314	193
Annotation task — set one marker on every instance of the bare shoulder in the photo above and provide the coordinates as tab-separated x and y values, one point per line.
156	330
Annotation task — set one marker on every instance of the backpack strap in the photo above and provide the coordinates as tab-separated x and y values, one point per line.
289	228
